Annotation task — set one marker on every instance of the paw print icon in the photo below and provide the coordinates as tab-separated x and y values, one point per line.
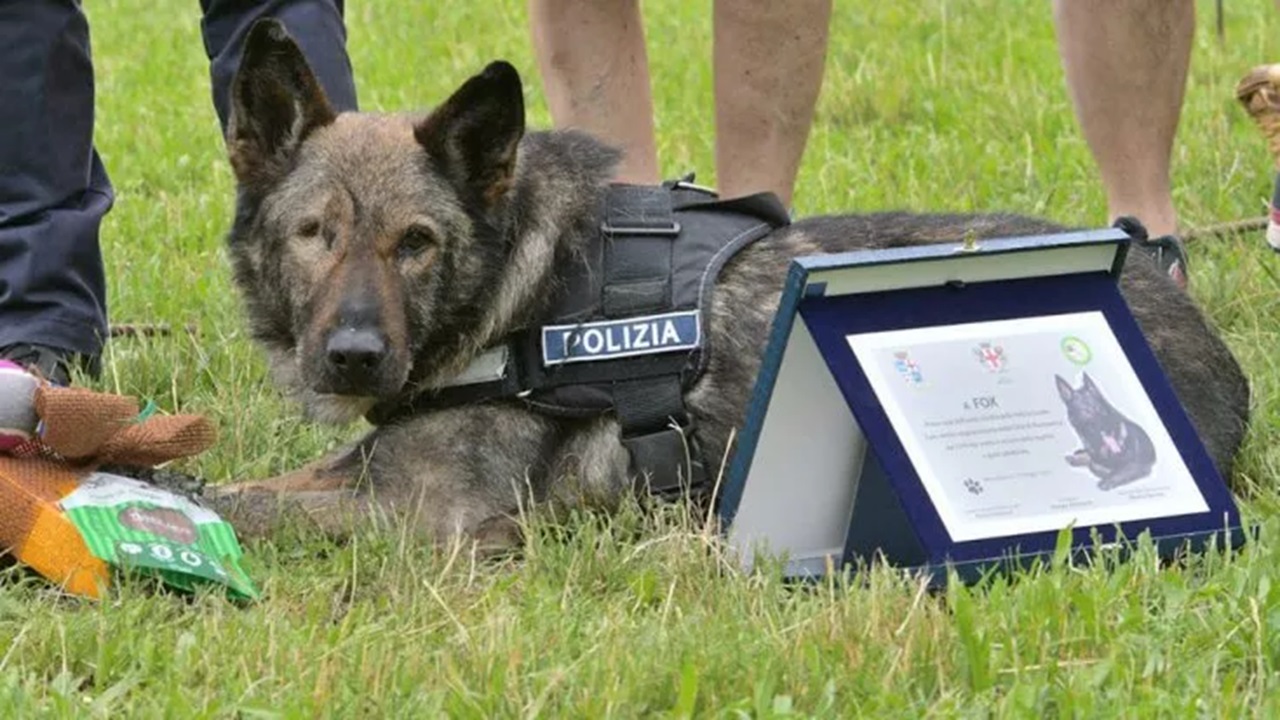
973	486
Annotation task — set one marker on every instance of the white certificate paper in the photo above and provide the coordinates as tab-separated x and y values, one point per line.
1027	425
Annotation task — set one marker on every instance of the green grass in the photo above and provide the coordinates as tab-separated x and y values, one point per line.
931	105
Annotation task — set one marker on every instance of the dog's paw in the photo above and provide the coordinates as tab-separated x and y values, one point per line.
497	535
1079	458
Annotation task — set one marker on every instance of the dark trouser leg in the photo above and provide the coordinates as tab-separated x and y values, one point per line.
54	190
316	25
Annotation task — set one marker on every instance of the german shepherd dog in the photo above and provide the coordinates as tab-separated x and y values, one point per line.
378	255
1115	449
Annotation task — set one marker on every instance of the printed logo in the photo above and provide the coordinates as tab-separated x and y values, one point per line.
973	486
166	523
991	356
612	339
1076	350
909	369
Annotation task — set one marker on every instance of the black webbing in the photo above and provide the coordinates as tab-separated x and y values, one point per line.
639	227
657	433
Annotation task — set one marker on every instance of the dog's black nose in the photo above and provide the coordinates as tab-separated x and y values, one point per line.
356	355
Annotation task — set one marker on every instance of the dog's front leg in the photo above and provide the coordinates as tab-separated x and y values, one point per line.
262	514
323	494
337	471
465	472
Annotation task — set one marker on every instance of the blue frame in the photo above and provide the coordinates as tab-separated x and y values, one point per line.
830	318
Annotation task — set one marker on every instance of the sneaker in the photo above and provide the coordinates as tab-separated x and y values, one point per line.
1167	251
52	364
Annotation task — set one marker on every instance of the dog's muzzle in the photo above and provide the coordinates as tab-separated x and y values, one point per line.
356	362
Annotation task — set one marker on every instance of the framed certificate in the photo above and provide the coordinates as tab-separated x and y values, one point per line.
941	407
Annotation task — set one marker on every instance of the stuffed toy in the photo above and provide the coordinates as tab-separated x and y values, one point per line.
74	500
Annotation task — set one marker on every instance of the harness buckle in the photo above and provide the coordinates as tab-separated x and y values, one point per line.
683	184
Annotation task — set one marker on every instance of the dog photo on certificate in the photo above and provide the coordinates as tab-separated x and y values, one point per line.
1116	449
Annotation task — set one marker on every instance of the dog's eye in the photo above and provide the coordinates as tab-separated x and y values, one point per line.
415	241
313	229
309	228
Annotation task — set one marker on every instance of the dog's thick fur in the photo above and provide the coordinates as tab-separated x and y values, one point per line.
379	254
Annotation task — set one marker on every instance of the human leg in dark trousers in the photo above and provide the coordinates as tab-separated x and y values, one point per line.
316	25
54	190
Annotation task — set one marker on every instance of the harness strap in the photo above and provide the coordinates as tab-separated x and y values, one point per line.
658	435
639	228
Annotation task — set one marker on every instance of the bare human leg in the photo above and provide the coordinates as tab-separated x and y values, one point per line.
1126	67
769	59
595	72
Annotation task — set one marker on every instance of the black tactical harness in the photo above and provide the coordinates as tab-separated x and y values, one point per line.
628	331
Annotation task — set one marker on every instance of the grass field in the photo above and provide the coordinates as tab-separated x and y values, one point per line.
929	105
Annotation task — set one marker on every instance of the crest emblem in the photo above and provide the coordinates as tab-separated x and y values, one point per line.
909	369
991	356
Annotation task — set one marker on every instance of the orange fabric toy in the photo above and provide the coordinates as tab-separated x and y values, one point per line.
81	431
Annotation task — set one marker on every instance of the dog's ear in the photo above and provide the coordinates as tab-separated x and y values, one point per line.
1089	385
1064	389
473	136
276	102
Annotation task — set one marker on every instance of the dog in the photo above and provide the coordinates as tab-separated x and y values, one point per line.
378	255
1115	449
